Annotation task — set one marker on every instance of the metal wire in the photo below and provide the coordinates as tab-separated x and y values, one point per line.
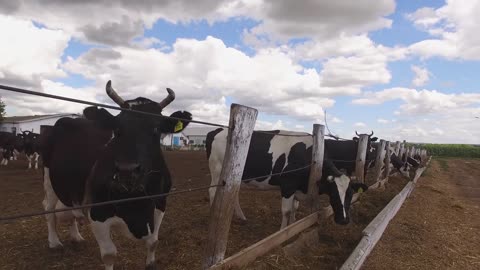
286	135
275	174
8	218
29	92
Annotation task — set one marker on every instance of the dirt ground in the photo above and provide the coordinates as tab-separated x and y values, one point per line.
184	228
438	227
182	233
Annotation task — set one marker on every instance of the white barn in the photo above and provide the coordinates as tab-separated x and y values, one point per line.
17	124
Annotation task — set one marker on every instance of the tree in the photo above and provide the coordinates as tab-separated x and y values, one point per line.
2	110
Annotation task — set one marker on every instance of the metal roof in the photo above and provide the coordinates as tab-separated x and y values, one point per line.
197	131
32	118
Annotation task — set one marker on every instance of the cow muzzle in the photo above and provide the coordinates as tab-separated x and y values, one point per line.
127	178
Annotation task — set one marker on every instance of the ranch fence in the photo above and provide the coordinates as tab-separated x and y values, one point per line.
240	130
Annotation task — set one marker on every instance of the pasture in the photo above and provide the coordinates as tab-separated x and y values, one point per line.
183	232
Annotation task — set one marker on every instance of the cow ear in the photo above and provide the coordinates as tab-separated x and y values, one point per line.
374	139
355	139
358	187
102	116
174	125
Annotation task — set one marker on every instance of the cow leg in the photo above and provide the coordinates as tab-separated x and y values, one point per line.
49	203
29	161
74	233
238	210
36	160
287	209
296	203
151	241
108	251
15	154
3	161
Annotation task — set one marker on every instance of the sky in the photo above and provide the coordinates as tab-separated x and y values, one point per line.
408	70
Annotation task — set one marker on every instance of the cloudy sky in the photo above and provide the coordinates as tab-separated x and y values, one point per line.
405	69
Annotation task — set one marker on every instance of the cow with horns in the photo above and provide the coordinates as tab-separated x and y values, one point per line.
103	157
274	152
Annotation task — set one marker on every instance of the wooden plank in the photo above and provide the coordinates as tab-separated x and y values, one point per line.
313	201
374	231
379	160
242	122
361	156
260	248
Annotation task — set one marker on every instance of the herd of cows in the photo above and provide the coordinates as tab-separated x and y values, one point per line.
101	157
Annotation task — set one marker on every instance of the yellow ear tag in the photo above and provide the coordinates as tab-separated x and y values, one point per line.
178	126
360	190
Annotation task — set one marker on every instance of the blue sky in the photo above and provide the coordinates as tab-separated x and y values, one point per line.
290	62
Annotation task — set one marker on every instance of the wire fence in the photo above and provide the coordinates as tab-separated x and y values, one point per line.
147	197
35	93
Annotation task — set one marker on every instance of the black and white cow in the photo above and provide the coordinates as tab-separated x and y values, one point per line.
272	153
103	157
10	144
31	145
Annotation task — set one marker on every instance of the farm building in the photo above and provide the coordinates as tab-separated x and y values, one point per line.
16	124
189	136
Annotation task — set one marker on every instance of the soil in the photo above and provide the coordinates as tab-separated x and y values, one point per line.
184	228
438	227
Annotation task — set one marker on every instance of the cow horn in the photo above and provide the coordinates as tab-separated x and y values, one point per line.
171	96
113	95
371	133
357	133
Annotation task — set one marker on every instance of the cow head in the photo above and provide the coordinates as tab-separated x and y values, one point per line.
29	137
340	190
133	155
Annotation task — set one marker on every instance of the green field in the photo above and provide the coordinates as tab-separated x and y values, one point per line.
452	150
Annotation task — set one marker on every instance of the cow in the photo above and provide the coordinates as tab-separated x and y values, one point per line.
31	145
10	143
102	157
271	153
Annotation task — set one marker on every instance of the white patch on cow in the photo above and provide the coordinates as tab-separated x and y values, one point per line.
342	183
151	239
49	203
283	144
36	160
101	231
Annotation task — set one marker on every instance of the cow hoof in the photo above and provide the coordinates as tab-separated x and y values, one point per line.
55	246
152	266
78	239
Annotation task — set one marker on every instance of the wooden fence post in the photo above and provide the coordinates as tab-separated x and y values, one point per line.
397	148
316	169
379	160
242	122
387	160
361	156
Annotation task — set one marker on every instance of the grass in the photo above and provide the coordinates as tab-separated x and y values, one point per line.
452	150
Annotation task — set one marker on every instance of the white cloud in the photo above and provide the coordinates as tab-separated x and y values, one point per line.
29	53
454	26
360	125
383	121
206	70
336	120
422	75
284	19
420	102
